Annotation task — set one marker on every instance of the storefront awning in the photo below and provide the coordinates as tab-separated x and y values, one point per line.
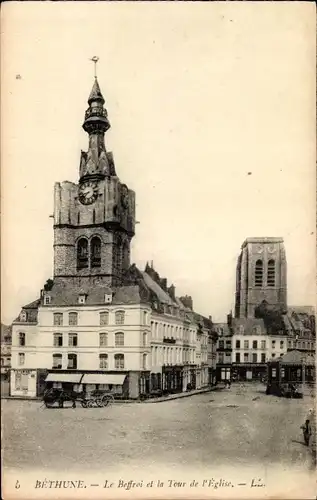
103	378
73	378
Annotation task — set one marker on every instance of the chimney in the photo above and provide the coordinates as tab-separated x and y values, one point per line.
171	291
229	319
210	318
187	301
163	283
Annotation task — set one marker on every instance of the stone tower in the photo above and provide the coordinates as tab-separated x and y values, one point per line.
261	276
94	220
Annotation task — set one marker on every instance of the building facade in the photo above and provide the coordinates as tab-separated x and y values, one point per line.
263	328
102	323
5	351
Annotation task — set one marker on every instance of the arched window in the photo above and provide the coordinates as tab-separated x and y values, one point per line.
258	273
119	339
119	361
72	361
144	362
144	338
119	318
103	361
57	361
95	252
72	319
21	358
82	253
103	318
21	339
72	339
271	273
58	339
58	319
103	339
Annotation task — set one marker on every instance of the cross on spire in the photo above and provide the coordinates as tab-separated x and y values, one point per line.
95	59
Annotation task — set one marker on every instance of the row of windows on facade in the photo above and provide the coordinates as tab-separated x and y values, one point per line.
73	339
73	317
247	357
172	355
72	361
255	344
104	317
160	330
259	274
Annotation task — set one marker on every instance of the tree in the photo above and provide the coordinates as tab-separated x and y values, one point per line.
48	285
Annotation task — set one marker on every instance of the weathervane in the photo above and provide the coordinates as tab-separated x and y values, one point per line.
95	59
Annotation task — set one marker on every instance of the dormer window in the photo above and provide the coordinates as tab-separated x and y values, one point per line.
108	298
47	300
82	299
23	316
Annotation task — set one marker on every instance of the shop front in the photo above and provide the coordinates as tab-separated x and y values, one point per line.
248	371
23	383
172	379
116	384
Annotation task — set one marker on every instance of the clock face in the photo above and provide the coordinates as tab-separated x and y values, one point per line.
88	192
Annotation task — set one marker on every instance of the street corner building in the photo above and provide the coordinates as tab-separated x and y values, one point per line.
102	323
264	328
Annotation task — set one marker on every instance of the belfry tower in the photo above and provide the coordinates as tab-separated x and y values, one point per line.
261	276
94	220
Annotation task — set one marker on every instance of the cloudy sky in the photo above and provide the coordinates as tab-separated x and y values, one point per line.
213	126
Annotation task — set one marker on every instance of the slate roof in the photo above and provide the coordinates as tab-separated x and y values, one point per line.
248	324
68	295
159	292
297	358
95	93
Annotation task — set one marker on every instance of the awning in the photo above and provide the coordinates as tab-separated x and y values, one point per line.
73	378
103	378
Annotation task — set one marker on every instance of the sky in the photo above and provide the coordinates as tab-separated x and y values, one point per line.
212	111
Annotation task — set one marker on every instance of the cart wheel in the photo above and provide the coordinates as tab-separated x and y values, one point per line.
107	400
83	404
90	403
99	403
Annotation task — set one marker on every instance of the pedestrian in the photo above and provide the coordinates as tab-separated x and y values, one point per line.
307	427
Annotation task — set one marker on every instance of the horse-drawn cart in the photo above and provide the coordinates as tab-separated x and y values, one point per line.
96	399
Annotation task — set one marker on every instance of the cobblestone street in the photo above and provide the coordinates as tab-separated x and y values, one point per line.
214	429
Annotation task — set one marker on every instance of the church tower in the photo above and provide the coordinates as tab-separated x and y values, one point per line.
94	220
261	276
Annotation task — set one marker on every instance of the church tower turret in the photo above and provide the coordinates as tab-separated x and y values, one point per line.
94	220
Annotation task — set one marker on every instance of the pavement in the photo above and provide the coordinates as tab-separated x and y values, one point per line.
235	426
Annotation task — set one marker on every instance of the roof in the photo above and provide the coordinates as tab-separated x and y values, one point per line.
159	292
295	357
31	309
67	295
249	324
95	93
307	310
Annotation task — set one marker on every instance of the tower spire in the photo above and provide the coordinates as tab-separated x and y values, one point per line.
96	161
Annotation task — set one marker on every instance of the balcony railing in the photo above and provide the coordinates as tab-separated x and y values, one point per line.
169	340
98	111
